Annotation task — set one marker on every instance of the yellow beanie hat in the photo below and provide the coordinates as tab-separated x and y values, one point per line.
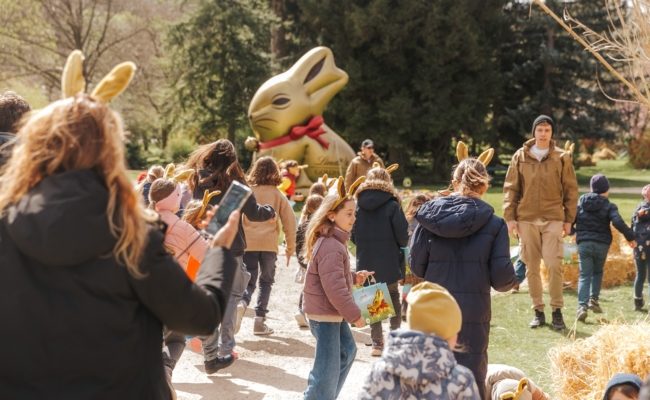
432	309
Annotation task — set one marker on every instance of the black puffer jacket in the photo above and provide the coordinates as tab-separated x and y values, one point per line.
253	211
379	231
75	323
595	213
461	245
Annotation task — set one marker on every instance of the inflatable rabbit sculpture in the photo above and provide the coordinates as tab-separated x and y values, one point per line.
286	117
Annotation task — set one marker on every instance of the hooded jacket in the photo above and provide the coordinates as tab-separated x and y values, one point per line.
461	245
253	212
380	230
78	324
595	213
418	366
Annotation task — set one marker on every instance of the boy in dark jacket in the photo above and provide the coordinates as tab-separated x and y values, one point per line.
641	228
12	109
379	232
594	236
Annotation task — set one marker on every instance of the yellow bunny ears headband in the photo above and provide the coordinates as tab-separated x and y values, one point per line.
73	81
390	169
179	177
462	153
569	147
343	195
207	196
326	181
523	383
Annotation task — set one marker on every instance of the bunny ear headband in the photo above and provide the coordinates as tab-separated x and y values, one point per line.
523	382
327	184
179	177
390	169
207	196
73	81
462	153
569	147
343	196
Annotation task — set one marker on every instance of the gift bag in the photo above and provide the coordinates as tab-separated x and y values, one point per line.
374	302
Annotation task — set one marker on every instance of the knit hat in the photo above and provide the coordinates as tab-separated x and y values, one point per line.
512	387
645	192
599	184
543	119
620	379
432	309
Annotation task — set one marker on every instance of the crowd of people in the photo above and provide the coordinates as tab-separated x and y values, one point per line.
103	279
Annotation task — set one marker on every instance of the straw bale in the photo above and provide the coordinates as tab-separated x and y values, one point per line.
582	368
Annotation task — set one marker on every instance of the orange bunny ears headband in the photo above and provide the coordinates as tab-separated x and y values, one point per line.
327	182
343	195
73	81
207	196
462	153
178	177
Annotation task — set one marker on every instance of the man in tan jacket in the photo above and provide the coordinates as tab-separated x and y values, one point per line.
541	193
361	164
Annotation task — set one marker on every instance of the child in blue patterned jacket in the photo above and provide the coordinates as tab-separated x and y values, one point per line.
641	228
419	363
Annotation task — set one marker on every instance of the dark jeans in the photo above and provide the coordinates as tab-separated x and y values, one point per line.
642	266
376	330
335	352
520	270
592	260
260	264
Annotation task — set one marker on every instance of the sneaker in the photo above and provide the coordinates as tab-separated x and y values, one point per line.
594	306
300	319
218	363
376	351
558	321
638	304
539	320
260	328
241	310
581	315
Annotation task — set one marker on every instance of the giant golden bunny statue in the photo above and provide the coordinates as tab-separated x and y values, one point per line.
286	117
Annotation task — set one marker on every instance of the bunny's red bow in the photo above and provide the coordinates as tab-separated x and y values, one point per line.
313	129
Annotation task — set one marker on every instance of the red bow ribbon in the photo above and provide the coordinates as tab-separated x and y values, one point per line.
313	130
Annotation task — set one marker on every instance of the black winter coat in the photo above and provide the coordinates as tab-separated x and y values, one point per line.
594	215
379	231
75	323
461	245
253	211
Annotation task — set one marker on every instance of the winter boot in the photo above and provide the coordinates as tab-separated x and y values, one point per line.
638	304
260	328
558	321
539	320
594	306
581	315
218	363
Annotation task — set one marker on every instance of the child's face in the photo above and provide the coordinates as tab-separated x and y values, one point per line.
618	395
344	218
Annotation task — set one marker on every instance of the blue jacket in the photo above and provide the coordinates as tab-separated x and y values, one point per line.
418	366
461	245
594	215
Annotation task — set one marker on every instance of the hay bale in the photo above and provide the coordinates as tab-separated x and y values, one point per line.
605	153
585	160
619	267
582	368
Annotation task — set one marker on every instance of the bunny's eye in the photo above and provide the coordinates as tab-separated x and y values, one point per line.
280	101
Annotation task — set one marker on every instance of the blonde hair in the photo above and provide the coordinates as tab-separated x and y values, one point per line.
470	177
73	134
311	205
319	224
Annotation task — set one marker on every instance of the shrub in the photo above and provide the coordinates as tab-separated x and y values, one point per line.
639	151
179	147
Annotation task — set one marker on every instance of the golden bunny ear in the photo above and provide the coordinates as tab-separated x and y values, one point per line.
567	145
461	151
392	168
376	165
183	175
169	171
355	186
486	156
327	181
341	187
115	82
207	196
72	79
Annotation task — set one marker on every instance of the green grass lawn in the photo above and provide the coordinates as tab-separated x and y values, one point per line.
619	173
513	343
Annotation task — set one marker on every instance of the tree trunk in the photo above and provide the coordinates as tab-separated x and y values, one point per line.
440	161
278	41
232	129
546	107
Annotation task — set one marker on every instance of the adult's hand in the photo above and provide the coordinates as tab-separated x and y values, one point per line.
566	229
360	323
225	236
513	229
362	275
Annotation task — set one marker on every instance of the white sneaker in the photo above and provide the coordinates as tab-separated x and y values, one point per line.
241	310
300	319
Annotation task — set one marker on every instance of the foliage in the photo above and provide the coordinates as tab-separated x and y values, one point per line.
220	58
135	158
179	147
639	151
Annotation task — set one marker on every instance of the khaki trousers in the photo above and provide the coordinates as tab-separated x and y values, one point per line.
543	240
